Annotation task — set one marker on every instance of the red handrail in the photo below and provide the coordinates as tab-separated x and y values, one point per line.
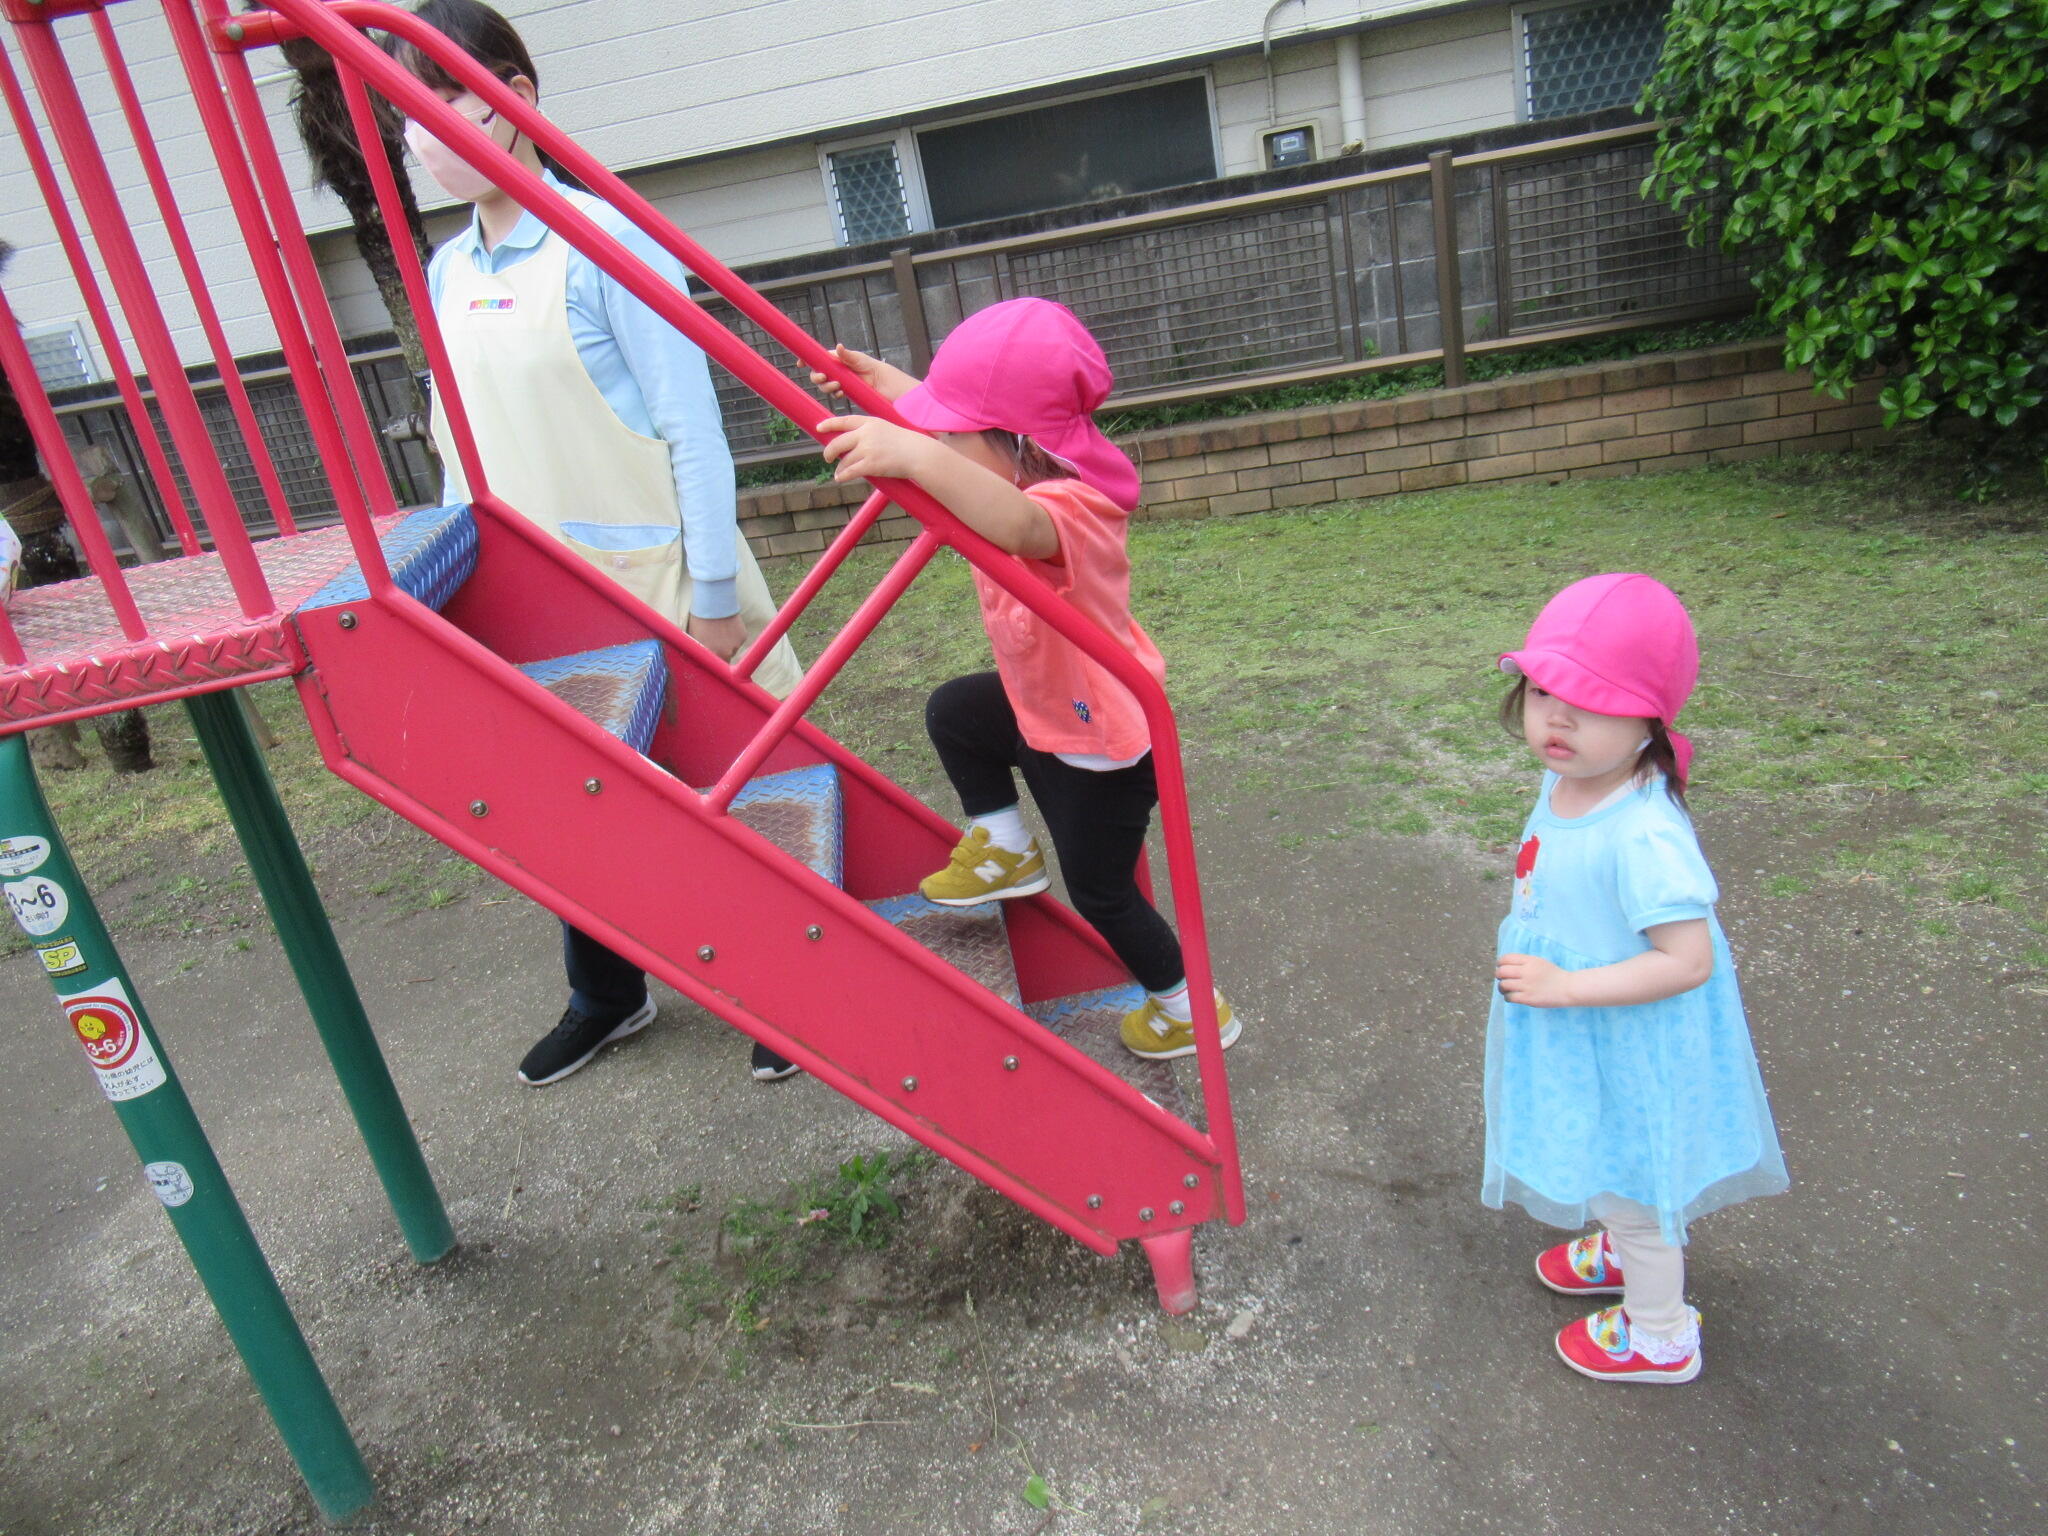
195	276
814	581
96	306
335	28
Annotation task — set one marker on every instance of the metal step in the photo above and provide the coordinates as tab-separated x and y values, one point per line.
1090	1022
431	552
970	939
799	812
620	687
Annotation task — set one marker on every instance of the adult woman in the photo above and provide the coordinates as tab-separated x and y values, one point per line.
595	419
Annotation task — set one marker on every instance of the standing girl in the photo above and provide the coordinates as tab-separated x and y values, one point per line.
1620	1079
1017	457
597	421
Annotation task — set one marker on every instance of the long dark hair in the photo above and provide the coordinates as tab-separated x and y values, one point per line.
1657	756
485	36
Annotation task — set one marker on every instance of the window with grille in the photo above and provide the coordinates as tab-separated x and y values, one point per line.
868	192
1069	152
1582	58
60	355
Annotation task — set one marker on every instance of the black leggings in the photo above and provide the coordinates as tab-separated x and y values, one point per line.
1097	820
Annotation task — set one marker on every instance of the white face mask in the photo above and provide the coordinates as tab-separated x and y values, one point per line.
451	173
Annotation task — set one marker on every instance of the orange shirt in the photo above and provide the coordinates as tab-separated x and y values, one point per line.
1064	701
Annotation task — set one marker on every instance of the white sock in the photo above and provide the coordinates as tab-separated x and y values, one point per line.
1005	829
1174	1003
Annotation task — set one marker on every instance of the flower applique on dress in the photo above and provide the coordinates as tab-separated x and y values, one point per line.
1525	879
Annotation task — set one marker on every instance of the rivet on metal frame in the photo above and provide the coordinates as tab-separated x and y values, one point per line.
235	30
706	952
910	1085
1095	1202
1193	1181
347	620
1175	1208
1144	1213
593	786
1009	1063
814	933
479	808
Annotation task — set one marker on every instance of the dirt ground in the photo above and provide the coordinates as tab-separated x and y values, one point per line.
1371	1354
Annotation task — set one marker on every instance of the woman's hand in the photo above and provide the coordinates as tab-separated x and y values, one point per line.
723	638
1533	981
885	379
868	448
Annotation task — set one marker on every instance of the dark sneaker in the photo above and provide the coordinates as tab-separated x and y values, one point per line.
571	1043
771	1068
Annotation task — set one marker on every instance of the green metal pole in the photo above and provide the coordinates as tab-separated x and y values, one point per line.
330	993
52	906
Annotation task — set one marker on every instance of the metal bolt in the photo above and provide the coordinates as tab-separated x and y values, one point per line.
1193	1181
1175	1209
479	808
1144	1213
347	620
910	1085
234	29
814	933
1095	1202
592	786
706	952
1009	1063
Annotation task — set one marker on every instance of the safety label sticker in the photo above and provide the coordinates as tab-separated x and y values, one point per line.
62	957
173	1185
111	1032
19	855
38	903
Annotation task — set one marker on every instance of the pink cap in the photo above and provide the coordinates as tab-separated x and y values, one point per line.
1027	366
1618	644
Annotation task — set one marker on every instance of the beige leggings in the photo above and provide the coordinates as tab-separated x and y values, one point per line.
1652	1270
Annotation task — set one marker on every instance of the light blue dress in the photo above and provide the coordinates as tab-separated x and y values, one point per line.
1660	1103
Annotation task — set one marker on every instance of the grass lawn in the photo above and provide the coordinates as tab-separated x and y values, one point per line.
1875	681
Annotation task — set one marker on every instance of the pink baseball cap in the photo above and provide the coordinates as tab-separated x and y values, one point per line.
1618	644
1027	366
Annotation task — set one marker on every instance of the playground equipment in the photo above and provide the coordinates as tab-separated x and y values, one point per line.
467	671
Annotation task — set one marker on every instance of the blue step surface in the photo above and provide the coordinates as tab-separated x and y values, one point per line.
431	552
1092	1023
799	812
620	687
970	939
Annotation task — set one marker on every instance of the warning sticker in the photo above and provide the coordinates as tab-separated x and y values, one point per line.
19	855
38	903
170	1181
62	957
111	1032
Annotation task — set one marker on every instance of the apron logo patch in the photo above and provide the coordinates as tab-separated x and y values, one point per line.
492	306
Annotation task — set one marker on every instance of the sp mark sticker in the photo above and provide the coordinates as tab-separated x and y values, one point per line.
22	855
120	1050
38	903
61	957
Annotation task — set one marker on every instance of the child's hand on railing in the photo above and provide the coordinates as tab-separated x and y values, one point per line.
885	379
868	448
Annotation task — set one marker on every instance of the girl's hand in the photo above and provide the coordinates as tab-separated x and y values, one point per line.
885	379
868	448
1533	981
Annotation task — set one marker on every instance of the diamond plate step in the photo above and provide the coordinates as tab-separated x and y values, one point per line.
970	939
620	687
799	812
431	552
1091	1021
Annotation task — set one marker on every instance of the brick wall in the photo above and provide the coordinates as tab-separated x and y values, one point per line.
1621	418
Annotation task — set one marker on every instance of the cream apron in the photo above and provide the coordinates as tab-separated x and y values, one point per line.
555	450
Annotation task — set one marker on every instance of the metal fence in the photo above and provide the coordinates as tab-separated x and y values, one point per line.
1535	243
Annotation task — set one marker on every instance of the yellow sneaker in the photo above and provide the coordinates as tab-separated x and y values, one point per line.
1150	1032
980	872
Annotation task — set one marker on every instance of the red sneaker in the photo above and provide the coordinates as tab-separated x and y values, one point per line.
1600	1347
1585	1266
